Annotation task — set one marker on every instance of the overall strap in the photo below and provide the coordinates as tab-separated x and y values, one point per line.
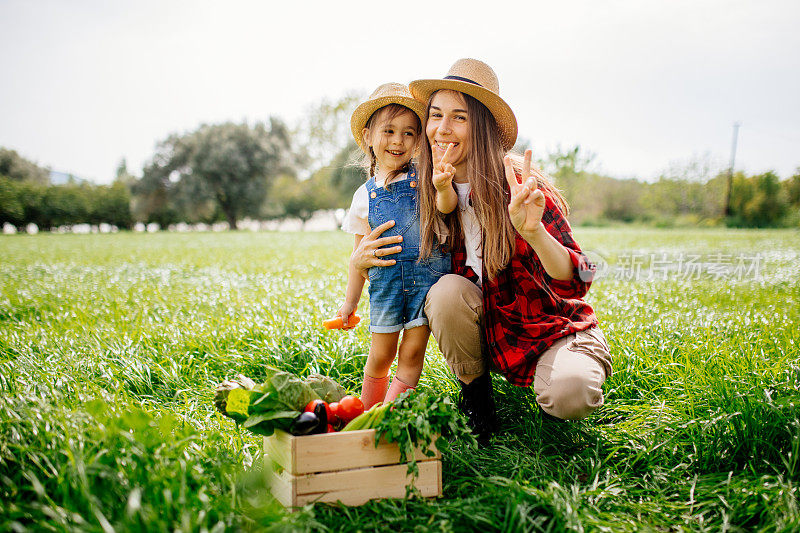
412	170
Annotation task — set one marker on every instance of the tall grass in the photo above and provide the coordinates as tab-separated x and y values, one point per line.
110	346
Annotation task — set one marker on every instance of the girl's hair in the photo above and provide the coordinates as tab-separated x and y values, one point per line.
381	116
490	192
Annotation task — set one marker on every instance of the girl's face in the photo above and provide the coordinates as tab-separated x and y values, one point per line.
448	122
393	140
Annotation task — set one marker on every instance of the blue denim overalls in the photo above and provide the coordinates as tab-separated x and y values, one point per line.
397	293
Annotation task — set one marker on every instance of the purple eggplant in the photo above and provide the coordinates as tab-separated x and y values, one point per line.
305	424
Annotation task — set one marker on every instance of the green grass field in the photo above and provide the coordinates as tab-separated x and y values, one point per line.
110	346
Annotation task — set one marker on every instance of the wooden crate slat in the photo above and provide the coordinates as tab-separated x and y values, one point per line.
375	477
360	486
333	451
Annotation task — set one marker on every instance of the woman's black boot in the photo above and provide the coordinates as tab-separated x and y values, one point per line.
477	404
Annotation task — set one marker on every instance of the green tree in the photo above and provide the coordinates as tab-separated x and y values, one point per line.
228	164
294	198
758	201
621	199
792	187
324	131
582	189
12	202
16	167
346	175
111	204
65	205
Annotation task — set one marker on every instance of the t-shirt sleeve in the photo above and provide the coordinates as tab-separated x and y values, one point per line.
583	270
356	219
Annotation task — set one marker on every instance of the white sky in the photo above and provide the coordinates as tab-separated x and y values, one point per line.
639	83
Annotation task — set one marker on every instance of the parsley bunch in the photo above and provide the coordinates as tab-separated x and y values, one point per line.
416	419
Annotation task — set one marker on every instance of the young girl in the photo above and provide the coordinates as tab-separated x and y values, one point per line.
387	127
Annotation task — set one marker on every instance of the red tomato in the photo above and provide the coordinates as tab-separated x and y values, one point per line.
334	419
313	404
350	407
330	429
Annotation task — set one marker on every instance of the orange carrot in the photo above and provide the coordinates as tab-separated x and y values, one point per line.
337	322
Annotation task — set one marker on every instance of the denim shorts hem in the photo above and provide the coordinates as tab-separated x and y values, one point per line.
421	321
385	329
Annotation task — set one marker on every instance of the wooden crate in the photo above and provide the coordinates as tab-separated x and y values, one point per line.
345	467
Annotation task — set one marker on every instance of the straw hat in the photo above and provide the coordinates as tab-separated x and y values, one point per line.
388	93
478	80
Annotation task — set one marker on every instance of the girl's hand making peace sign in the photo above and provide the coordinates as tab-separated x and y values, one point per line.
443	171
527	201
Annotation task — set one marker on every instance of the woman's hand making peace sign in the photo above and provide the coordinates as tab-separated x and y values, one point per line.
443	170
525	209
527	201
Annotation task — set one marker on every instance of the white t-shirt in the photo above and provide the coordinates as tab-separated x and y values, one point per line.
473	242
356	221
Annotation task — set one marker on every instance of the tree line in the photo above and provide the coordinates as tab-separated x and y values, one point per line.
267	170
27	196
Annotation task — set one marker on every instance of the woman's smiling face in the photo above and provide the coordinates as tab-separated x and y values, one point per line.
449	122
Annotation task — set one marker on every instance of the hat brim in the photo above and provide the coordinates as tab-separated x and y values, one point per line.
360	117
500	110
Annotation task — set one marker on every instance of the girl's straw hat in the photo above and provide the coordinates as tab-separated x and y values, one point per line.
478	80
388	93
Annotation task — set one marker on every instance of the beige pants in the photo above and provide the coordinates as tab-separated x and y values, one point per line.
569	374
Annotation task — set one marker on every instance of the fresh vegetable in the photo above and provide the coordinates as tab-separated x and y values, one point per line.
358	422
380	415
279	401
338	323
416	420
289	390
325	387
262	408
330	429
334	412
368	419
304	424
238	404
349	408
224	389
321	411
312	406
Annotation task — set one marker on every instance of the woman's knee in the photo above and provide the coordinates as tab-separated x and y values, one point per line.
454	311
453	297
444	292
573	394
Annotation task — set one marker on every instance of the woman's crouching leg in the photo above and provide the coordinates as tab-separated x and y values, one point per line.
455	310
570	375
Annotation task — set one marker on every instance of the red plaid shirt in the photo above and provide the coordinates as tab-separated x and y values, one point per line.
525	310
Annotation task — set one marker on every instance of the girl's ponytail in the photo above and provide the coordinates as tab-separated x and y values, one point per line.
373	161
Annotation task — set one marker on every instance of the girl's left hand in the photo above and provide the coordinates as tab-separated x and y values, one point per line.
527	200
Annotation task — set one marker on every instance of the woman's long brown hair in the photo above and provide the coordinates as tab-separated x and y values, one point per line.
490	192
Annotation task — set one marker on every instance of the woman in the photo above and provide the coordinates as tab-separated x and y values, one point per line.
514	302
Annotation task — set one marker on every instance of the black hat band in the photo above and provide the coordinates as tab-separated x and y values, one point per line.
459	78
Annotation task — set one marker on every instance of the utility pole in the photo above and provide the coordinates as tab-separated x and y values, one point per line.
730	169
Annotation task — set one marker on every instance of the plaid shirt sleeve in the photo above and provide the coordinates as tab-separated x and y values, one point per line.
524	310
583	270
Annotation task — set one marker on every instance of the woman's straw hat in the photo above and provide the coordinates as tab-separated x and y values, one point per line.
388	93
478	80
